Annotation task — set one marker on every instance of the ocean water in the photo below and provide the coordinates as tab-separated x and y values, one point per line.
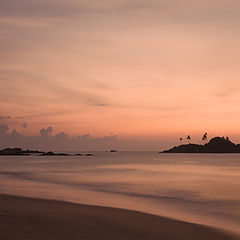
200	188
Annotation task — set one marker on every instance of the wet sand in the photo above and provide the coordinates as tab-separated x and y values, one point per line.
28	218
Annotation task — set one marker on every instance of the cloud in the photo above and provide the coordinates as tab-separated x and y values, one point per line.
161	57
227	90
4	117
46	132
37	9
3	130
60	141
44	114
184	11
49	90
61	9
19	117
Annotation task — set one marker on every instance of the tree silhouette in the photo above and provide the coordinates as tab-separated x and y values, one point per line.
189	138
204	138
181	140
227	138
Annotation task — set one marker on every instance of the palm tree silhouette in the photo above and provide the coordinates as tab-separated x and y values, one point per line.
189	138
204	138
181	140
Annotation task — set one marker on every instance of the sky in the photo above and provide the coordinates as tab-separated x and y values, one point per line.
140	73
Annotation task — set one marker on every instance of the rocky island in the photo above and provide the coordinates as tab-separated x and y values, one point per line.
215	145
21	152
113	151
17	152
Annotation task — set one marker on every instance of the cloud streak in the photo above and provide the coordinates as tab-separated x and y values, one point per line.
186	11
41	88
4	117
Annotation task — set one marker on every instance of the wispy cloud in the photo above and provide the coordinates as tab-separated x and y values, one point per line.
187	11
4	117
227	90
43	89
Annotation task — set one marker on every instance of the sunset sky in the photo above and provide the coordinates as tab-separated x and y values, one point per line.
146	71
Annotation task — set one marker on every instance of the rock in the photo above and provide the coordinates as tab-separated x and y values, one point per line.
89	155
215	145
63	154
50	153
11	151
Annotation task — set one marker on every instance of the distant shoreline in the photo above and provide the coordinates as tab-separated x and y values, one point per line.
21	152
24	218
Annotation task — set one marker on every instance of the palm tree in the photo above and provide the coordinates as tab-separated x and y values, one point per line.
189	138
181	140
204	138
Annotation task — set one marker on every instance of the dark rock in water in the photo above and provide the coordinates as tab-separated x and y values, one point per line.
17	152
89	155
31	151
11	151
50	153
85	155
215	145
20	152
62	154
113	150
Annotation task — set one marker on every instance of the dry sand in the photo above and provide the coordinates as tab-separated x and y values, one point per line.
27	218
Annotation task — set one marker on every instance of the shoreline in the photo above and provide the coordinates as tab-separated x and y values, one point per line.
32	218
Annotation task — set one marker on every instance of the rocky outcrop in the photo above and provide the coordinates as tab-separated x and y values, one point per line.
215	145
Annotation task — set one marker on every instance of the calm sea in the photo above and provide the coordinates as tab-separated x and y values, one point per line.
202	188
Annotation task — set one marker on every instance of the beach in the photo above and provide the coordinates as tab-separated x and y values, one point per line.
29	218
201	189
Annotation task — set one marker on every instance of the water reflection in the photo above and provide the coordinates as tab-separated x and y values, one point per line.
193	187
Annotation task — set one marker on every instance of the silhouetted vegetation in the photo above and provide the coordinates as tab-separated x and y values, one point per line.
54	154
189	138
204	138
17	151
20	152
215	145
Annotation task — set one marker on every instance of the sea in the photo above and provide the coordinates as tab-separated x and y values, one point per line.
199	188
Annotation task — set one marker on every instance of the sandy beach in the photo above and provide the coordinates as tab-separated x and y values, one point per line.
28	218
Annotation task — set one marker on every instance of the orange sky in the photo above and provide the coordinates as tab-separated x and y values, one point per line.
138	69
